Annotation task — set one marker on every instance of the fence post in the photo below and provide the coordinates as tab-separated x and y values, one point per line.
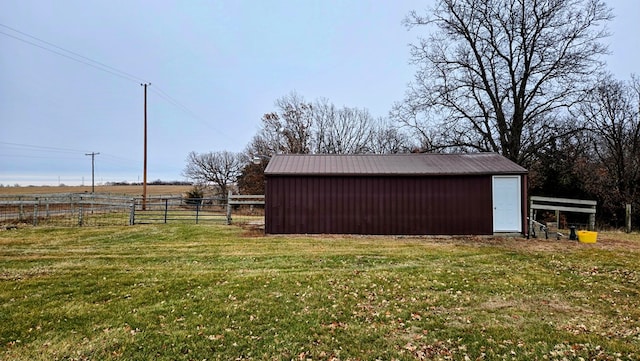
531	219
80	212
229	208
21	212
166	209
132	212
35	211
197	211
628	217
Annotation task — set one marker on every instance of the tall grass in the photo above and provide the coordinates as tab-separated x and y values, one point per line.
186	292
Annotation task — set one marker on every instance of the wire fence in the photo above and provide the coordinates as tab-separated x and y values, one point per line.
70	209
197	210
76	210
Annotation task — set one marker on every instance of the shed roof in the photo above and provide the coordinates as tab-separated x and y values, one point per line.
392	164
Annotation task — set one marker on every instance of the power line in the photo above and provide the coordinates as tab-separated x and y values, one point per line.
172	100
90	62
43	148
69	57
115	159
103	67
184	108
33	156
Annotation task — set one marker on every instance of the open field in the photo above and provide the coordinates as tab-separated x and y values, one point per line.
185	292
129	190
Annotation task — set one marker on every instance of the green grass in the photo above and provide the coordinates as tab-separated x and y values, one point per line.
187	292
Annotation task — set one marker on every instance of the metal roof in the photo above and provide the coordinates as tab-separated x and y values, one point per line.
392	164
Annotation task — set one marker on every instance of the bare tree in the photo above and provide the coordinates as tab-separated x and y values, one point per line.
220	169
500	75
287	130
389	139
262	144
341	130
324	114
612	114
301	127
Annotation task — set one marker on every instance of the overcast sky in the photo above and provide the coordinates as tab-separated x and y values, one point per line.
215	68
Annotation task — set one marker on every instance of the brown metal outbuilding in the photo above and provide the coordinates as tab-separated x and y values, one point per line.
403	194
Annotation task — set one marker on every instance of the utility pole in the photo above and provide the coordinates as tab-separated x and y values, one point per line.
93	163
144	175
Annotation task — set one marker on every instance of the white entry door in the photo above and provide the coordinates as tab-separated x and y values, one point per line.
506	204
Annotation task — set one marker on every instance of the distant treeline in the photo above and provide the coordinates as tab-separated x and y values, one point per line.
157	182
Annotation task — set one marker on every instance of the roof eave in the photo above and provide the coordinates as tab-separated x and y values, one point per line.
393	174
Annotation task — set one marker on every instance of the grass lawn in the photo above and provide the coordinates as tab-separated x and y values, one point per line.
187	292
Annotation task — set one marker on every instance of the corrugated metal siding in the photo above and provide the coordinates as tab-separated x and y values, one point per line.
444	205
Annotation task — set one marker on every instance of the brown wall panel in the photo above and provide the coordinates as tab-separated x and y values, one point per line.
451	205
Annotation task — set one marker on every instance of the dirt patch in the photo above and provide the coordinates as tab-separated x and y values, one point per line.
553	305
252	229
615	241
606	240
17	275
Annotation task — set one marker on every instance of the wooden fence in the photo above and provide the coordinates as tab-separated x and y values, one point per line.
562	205
239	200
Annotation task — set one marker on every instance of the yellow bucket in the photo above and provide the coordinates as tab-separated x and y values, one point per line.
587	236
